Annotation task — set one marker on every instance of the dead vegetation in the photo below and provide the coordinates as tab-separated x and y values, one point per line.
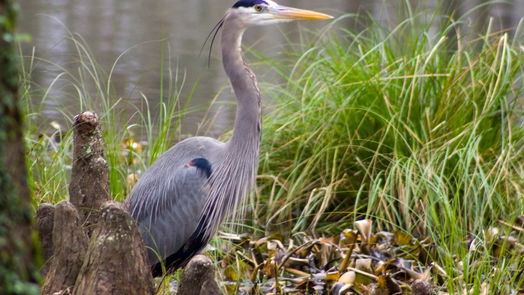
357	261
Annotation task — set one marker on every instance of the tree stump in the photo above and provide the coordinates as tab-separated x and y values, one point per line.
70	246
116	261
198	278
89	187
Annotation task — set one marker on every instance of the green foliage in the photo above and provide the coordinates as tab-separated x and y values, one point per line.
386	104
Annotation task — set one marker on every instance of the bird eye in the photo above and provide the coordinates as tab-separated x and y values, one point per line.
259	8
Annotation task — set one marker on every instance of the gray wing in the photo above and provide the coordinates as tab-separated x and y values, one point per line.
168	199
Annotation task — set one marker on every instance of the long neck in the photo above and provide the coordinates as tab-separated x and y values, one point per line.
247	121
234	174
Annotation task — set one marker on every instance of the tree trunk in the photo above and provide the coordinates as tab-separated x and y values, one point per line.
18	267
89	187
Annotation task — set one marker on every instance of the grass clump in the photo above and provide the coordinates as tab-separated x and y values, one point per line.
416	130
358	109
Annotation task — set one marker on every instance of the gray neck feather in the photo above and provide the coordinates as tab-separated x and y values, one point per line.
234	176
243	80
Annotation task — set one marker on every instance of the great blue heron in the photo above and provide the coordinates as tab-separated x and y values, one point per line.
180	201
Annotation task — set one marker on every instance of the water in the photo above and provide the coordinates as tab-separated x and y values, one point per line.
150	30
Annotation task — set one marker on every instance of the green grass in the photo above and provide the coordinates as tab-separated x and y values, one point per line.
158	126
420	131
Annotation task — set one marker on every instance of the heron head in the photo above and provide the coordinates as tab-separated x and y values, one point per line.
245	13
264	12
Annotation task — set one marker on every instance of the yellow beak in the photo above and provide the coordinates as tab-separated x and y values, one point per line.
295	13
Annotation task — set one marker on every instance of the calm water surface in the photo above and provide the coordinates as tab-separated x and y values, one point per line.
169	33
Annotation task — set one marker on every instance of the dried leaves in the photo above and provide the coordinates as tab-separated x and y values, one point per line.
354	262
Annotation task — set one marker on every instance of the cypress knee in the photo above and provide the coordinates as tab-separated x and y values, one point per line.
116	260
70	246
89	187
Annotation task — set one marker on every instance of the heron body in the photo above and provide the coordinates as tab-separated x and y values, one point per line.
181	200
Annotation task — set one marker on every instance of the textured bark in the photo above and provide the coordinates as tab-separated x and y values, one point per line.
44	224
89	187
198	278
18	267
116	258
70	246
